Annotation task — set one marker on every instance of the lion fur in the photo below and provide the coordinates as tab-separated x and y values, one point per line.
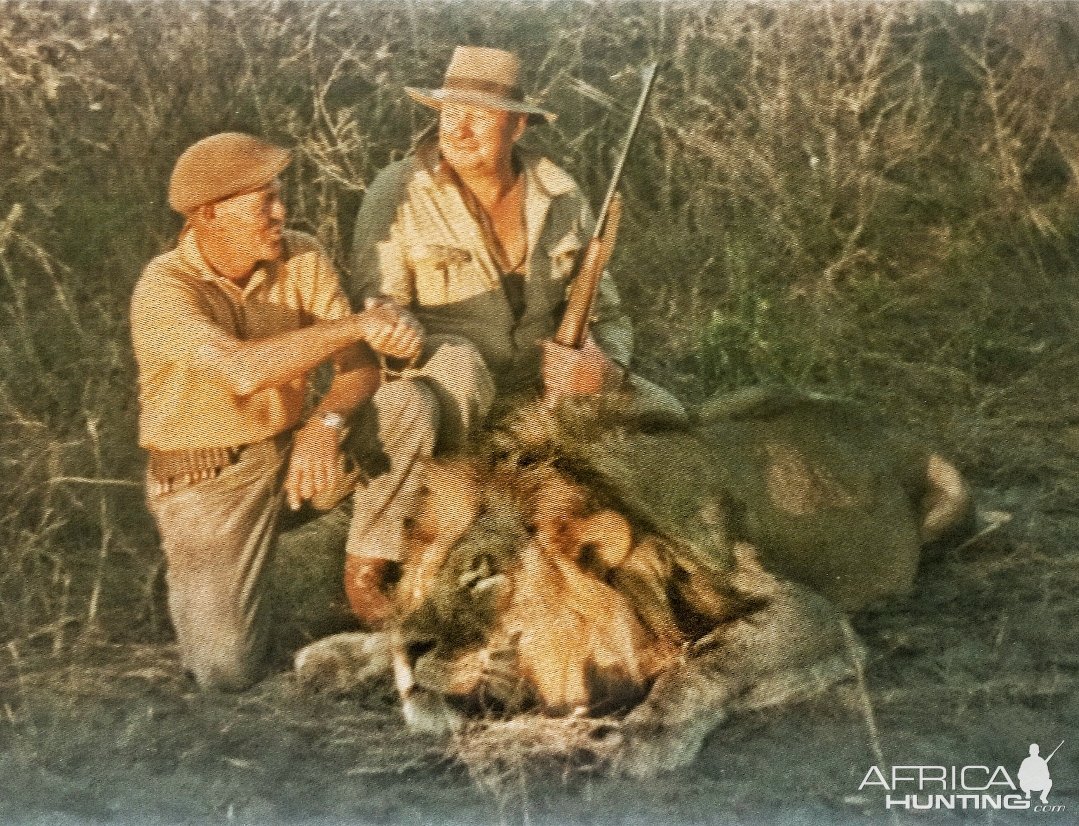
830	494
584	559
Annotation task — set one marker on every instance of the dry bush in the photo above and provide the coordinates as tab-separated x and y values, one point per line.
826	103
787	135
1026	92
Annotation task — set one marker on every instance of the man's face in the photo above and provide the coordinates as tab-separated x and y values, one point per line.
252	221
477	140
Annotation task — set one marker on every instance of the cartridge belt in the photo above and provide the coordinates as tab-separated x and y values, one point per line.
170	470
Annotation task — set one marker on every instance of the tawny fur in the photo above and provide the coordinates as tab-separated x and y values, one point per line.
544	569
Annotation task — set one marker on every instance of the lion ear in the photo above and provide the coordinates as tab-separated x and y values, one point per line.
604	538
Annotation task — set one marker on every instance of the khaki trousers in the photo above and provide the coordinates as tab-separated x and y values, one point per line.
431	408
435	408
218	536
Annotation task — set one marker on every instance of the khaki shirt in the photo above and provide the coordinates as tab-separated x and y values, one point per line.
179	302
417	242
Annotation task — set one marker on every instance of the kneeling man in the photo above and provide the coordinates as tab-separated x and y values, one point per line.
226	328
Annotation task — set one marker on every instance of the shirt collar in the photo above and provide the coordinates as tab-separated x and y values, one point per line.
541	174
546	175
193	258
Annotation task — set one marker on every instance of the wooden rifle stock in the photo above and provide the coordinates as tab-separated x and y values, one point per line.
573	330
589	270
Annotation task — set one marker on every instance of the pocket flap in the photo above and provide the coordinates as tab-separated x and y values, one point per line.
439	255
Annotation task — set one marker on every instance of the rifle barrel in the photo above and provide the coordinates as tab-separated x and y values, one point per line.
649	76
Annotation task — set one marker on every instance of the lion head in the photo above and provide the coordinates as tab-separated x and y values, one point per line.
531	582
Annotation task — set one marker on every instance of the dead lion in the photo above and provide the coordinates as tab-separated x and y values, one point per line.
586	563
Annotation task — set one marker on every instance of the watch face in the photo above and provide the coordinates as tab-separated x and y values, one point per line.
334	420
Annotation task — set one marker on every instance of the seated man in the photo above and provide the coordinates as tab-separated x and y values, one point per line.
226	328
478	240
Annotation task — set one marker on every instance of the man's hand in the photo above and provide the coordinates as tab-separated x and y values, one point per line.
315	464
570	372
390	330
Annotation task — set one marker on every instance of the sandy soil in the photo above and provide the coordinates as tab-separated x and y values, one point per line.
981	663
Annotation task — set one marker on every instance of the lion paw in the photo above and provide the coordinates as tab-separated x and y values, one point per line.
426	711
649	748
342	662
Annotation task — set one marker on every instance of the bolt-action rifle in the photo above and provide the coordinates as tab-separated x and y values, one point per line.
589	267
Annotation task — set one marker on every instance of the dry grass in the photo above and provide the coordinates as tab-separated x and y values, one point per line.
504	757
495	751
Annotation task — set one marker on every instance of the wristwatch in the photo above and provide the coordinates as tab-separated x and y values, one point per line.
334	421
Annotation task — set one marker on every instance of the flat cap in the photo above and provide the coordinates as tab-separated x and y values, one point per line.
223	165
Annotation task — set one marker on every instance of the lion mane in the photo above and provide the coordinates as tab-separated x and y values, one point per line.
553	532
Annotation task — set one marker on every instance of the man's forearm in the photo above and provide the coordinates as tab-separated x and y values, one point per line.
249	366
315	463
349	390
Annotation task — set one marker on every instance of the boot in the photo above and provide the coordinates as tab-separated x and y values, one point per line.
367	580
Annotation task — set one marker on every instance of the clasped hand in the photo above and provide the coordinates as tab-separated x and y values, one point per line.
390	330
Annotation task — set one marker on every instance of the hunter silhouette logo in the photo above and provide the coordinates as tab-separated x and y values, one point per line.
970	787
1034	773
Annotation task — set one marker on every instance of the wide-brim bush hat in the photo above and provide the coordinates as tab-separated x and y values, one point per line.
221	166
479	76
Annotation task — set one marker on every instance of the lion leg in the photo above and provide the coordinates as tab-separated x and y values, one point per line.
792	649
685	704
342	662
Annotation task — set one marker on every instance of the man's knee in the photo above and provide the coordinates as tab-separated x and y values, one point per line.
405	398
229	664
408	413
463	384
221	644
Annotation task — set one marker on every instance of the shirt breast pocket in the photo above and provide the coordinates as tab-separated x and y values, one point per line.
440	271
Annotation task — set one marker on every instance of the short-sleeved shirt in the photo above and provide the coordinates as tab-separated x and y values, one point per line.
179	302
417	242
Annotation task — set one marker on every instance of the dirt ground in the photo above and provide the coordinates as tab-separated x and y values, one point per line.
983	661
